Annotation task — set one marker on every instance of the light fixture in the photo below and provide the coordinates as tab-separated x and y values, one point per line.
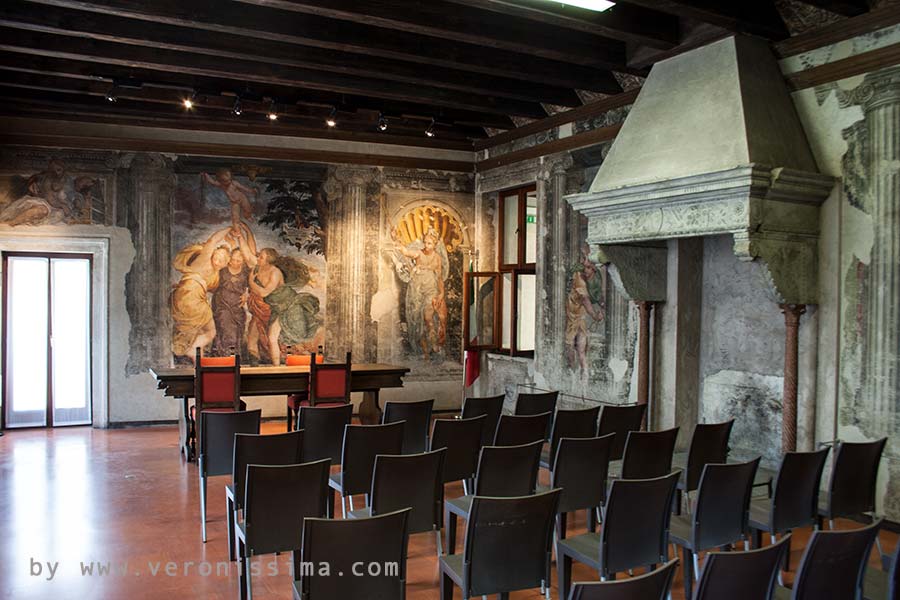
331	121
111	94
237	109
595	5
430	131
190	101
272	115
382	122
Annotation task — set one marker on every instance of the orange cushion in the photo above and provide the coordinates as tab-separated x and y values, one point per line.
299	360
321	404
217	361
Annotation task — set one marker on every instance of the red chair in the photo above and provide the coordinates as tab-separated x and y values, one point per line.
217	388
329	385
294	400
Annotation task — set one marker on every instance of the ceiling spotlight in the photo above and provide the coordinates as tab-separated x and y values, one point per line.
382	122
430	131
272	115
331	121
111	95
190	101
237	109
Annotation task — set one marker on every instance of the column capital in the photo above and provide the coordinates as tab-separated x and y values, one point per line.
880	87
555	165
792	313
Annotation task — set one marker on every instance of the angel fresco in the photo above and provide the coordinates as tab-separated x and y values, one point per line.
586	299
424	266
49	197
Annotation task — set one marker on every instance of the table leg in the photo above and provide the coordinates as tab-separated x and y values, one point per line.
184	429
369	411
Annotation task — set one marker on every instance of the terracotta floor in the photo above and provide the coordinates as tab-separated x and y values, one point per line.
124	498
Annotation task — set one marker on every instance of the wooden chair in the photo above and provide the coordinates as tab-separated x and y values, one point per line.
462	440
579	423
620	420
507	548
362	443
654	585
833	565
884	585
720	517
635	531
217	387
217	431
750	575
323	428
295	400
329	384
515	430
409	481
249	448
349	547
489	406
417	418
277	500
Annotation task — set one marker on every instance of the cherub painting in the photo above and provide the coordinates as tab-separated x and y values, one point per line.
585	306
237	194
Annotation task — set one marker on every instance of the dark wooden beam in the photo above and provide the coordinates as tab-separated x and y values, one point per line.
309	30
595	136
756	17
857	64
848	8
68	22
632	24
244	72
840	31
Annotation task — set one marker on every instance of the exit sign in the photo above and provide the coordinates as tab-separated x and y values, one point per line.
531	218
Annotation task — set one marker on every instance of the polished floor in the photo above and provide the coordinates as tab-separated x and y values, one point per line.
124	503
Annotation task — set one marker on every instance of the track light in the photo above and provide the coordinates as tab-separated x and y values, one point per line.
331	121
190	101
272	115
382	122
237	109
111	95
430	131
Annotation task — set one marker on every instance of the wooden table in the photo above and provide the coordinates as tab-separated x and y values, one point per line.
280	381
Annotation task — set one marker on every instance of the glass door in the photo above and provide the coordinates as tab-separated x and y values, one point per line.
47	345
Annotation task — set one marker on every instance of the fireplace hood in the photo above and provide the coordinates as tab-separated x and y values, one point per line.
713	145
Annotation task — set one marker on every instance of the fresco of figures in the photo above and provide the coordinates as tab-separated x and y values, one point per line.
51	196
249	263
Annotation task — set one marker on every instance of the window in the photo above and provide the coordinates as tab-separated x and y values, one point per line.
501	312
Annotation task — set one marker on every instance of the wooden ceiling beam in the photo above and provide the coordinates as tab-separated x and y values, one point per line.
74	23
848	8
244	72
756	17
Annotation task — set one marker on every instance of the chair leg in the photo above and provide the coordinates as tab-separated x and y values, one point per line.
687	561
329	510
564	574
787	556
592	520
757	538
446	587
243	571
450	520
437	538
202	505
677	502
465	487
344	507
696	566
230	517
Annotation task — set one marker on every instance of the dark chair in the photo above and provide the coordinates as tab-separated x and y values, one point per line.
217	388
409	481
620	420
537	403
294	401
833	565
366	558
515	430
650	586
504	472
709	445
508	546
580	471
854	474
489	406
884	585
217	430
795	499
323	428
253	449
720	517
417	416
648	454
362	443
277	499
750	575
580	423
462	440
635	531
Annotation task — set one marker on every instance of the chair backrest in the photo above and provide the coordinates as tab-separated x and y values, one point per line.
636	519
302	360
329	382
278	498
373	569
418	421
362	443
505	471
854	474
834	563
462	440
580	469
742	575
410	481
648	454
323	428
515	430
489	406
217	429
580	423
620	420
795	501
650	586
254	449
722	511
536	403
217	381
508	543
709	444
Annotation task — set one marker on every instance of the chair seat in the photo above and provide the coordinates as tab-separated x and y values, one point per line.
362	513
782	593
584	548
680	531
875	585
215	409
759	513
305	402
460	506
452	565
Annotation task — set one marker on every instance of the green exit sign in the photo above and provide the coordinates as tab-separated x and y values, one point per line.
531	218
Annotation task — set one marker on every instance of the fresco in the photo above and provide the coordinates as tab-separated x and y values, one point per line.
52	196
585	307
249	263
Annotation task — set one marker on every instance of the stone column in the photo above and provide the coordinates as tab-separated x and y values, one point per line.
643	382
554	215
792	313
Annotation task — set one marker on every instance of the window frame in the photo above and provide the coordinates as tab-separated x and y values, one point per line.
521	235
